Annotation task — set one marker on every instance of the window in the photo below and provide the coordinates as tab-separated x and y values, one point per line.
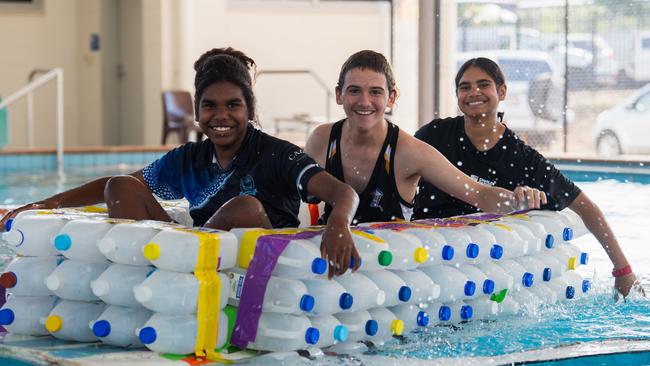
523	70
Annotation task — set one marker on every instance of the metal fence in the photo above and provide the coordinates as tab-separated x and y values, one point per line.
594	53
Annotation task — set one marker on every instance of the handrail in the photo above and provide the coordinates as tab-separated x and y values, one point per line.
30	107
56	73
320	82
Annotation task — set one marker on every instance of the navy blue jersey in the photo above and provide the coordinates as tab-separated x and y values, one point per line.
510	163
380	200
275	171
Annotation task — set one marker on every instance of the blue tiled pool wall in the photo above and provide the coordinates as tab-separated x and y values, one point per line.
45	161
637	172
592	171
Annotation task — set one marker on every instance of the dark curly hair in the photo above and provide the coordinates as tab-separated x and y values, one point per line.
225	64
371	60
490	67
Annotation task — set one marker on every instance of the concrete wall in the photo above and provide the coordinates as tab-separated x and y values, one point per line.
41	40
288	35
113	95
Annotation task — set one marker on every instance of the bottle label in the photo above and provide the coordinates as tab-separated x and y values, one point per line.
236	285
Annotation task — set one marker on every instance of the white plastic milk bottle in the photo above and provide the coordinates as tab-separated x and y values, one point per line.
359	323
454	285
25	276
412	316
397	292
484	284
71	279
330	329
330	297
78	239
124	242
115	285
176	293
70	320
502	279
32	235
26	314
117	324
388	325
423	288
365	293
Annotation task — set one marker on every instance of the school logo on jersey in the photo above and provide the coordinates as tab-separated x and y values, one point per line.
483	180
387	158
247	186
332	149
376	199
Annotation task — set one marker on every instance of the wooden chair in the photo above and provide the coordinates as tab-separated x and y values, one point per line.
178	115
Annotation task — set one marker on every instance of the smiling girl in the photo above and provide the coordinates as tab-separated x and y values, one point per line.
492	153
238	177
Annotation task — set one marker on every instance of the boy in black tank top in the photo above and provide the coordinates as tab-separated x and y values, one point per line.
380	200
363	151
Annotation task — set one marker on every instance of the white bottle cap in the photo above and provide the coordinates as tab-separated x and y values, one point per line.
14	237
53	282
100	287
106	245
142	293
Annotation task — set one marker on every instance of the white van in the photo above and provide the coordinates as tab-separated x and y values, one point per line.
641	71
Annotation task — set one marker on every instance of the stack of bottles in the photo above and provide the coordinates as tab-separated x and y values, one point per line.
134	283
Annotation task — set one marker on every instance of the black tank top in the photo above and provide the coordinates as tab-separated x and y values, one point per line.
380	200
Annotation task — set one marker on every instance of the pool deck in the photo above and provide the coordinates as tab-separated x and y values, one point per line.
48	350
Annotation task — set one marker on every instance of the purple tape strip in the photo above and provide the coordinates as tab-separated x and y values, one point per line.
3	298
267	251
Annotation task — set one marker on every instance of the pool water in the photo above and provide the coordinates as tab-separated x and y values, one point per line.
24	187
592	318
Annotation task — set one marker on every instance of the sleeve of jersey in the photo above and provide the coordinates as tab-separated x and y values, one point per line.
163	175
298	168
560	190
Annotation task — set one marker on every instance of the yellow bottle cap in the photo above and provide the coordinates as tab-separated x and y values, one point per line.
572	263
397	327
420	255
53	323
151	251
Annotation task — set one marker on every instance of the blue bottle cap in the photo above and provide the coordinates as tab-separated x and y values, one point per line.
570	292
341	333
311	335
422	319
470	288
567	234
447	252
586	285
488	286
547	275
584	258
466	312
345	301
352	262
404	293
444	313
102	328
319	266
527	279
306	303
8	224
371	327
496	252
549	241
472	250
62	242
147	335
6	316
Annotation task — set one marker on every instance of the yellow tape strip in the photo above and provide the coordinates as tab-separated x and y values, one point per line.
209	295
371	237
249	242
502	226
93	209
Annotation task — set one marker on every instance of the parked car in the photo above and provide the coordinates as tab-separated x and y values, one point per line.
533	105
623	128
